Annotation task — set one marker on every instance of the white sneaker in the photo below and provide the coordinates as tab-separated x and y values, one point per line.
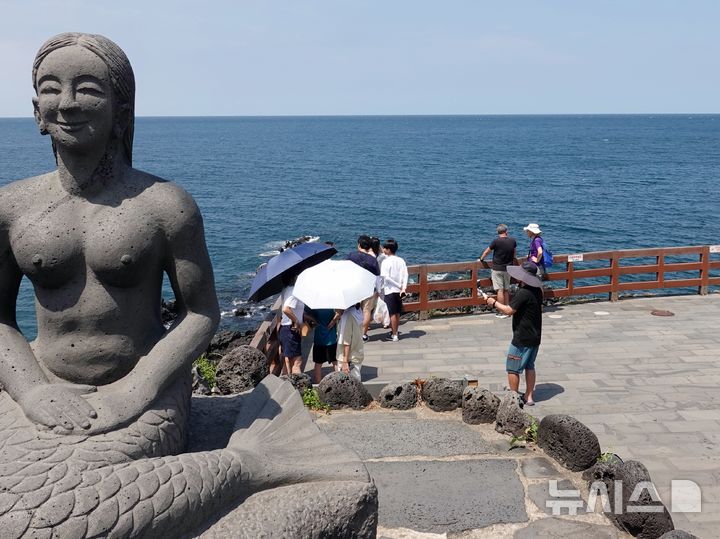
395	338
501	315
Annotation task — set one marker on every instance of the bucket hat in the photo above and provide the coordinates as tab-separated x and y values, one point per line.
534	228
527	273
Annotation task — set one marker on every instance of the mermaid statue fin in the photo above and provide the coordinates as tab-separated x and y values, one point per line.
274	424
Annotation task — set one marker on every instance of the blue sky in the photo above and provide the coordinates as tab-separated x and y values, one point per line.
264	57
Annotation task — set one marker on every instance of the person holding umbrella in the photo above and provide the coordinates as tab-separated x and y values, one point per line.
340	285
526	309
290	334
278	275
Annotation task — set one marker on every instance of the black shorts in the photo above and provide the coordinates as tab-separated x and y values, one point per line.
394	303
290	341
323	353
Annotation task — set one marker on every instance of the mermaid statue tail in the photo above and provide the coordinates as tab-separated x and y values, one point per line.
67	486
273	423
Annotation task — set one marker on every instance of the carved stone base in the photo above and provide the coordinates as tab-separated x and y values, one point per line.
339	509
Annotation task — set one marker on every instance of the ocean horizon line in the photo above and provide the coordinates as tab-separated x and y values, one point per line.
429	115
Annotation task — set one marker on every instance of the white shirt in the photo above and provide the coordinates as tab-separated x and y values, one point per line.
297	306
394	273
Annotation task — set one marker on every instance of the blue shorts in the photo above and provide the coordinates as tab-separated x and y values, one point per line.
520	358
290	341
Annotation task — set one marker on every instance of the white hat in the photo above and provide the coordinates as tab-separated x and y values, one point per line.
534	228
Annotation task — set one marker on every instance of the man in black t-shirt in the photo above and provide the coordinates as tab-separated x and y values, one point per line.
503	249
526	310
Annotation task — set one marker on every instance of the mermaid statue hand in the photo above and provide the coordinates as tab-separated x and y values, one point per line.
60	406
118	404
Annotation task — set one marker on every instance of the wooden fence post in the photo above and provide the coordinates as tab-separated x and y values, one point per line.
615	277
704	270
424	293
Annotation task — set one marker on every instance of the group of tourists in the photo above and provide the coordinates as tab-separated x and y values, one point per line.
525	306
340	335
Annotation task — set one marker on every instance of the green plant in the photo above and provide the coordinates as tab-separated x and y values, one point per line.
531	433
206	369
311	399
606	457
529	436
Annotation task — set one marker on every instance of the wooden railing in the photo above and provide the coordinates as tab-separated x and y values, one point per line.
266	336
570	271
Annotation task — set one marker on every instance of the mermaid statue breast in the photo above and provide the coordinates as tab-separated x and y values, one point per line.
94	413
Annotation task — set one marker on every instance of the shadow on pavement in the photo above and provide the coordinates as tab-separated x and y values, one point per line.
385	337
545	392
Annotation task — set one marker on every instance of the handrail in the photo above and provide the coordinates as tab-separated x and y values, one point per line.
571	272
266	337
622	277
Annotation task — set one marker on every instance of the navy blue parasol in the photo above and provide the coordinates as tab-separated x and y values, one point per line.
289	263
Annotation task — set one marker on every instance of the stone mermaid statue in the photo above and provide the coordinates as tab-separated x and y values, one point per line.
94	412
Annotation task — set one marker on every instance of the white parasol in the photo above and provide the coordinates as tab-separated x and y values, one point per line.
334	284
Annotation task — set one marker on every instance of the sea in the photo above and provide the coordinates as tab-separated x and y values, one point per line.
439	185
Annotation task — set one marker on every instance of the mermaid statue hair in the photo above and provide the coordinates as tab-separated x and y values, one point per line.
122	78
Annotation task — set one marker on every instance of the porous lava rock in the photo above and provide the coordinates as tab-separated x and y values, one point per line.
597	470
568	441
401	396
634	480
168	311
479	405
300	381
241	369
224	341
678	534
199	385
510	418
442	394
338	390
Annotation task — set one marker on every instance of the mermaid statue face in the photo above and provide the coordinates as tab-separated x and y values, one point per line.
74	102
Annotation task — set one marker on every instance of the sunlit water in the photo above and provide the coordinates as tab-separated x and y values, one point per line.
439	185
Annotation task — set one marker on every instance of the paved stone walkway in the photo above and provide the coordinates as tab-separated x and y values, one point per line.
438	477
646	385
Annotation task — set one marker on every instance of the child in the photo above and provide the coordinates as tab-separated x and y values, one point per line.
350	353
325	340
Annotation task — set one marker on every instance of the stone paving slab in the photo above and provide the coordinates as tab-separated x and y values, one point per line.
539	468
438	477
442	496
558	528
646	385
396	436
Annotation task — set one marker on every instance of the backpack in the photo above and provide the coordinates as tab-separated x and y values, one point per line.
547	255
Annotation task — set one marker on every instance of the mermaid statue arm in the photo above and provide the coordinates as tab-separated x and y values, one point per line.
187	264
